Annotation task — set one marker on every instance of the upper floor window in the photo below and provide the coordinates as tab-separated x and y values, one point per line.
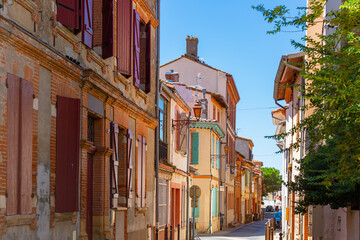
162	116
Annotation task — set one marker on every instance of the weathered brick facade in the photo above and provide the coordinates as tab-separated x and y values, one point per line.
35	47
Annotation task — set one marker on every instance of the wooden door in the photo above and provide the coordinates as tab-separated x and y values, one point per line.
89	199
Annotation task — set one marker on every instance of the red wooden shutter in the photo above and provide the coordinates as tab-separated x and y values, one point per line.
88	23
136	49
25	160
107	28
67	154
114	164
143	172
148	58
129	163
124	30
19	145
68	13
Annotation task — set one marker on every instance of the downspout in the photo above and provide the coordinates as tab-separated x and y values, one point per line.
157	133
187	179
302	134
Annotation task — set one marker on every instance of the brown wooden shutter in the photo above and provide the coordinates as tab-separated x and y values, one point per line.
25	160
136	49
68	13
124	35
129	164
148	58
19	145
87	36
67	154
107	28
143	173
114	164
183	134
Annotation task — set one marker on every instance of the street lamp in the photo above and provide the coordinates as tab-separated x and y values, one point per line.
197	110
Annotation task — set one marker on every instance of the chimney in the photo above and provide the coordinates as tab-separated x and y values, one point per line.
173	76
192	47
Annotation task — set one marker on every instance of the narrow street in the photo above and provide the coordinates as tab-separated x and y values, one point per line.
251	231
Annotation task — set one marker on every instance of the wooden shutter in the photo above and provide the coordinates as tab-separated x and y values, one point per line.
107	28
114	164
143	173
19	145
136	49
148	58
67	154
195	148
68	13
129	164
124	35
218	154
139	172
183	134
26	146
87	30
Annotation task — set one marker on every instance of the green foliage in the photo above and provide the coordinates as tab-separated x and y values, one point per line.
272	180
330	170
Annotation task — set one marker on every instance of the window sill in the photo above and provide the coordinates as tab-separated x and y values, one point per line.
69	216
142	94
19	220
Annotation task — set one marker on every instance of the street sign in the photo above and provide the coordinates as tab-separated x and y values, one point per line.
194	203
197	191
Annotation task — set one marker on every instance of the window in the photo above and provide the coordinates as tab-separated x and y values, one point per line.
141	173
213	151
68	13
142	53
163	122
163	202
195	148
91	128
67	154
118	166
214	112
19	145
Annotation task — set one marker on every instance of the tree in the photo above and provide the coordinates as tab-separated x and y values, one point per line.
272	180
330	170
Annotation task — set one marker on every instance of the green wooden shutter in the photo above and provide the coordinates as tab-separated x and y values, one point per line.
214	202
195	148
218	154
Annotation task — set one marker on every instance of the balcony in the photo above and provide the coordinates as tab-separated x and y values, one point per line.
163	152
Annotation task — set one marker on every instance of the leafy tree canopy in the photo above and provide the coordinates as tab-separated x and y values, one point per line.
272	179
330	170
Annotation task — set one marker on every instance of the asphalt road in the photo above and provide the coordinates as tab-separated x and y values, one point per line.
251	231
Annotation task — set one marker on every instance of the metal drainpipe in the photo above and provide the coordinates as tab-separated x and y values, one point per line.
279	104
157	133
187	178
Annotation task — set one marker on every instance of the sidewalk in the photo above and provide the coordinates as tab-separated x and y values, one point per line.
225	231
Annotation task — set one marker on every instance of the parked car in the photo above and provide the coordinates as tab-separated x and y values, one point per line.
269	208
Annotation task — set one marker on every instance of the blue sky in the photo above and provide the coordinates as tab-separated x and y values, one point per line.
232	37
